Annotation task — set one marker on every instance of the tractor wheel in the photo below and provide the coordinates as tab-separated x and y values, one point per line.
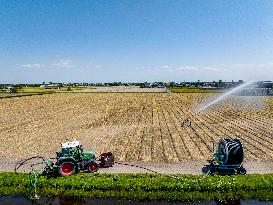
67	168
212	170
206	169
242	171
209	169
92	167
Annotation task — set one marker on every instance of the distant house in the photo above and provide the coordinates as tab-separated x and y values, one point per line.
7	88
53	86
161	86
265	84
208	88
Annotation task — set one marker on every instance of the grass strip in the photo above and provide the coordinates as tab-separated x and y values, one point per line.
144	186
16	95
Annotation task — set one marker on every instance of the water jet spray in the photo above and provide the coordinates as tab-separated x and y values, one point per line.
225	95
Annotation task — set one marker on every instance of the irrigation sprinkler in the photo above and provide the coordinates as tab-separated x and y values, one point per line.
229	154
33	178
225	95
168	91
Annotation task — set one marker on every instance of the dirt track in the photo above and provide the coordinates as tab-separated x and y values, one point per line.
164	168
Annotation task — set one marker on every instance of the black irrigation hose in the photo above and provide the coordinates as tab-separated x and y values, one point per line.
22	162
168	175
137	166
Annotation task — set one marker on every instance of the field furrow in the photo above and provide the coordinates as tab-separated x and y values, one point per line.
146	127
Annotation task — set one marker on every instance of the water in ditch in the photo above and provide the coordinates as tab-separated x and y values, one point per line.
21	200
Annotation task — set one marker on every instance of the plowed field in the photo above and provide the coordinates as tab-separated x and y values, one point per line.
134	126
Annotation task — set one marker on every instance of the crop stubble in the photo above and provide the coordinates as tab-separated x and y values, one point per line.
134	126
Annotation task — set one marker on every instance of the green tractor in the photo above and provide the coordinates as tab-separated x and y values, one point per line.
73	159
228	158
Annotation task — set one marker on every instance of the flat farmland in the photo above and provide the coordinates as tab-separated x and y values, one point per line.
136	127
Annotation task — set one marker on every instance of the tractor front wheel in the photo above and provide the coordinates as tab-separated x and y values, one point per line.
67	168
92	167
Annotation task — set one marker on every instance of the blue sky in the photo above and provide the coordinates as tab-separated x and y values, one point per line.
135	41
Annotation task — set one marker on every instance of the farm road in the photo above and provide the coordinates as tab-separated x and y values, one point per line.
254	167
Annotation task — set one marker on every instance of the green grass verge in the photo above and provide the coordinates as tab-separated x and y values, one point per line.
48	89
15	95
193	90
144	186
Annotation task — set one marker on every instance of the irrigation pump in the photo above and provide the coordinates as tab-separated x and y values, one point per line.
227	159
73	158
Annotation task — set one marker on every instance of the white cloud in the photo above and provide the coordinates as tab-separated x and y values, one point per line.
64	63
92	66
179	69
252	66
239	65
166	66
255	71
99	66
246	72
31	65
187	68
212	69
196	68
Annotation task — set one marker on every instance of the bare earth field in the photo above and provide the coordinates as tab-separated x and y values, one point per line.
154	130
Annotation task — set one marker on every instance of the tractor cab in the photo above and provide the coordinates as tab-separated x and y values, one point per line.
74	149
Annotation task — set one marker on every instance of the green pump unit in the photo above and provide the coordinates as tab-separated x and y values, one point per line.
227	159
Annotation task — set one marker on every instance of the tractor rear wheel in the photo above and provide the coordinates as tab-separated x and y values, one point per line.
93	167
242	171
67	168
